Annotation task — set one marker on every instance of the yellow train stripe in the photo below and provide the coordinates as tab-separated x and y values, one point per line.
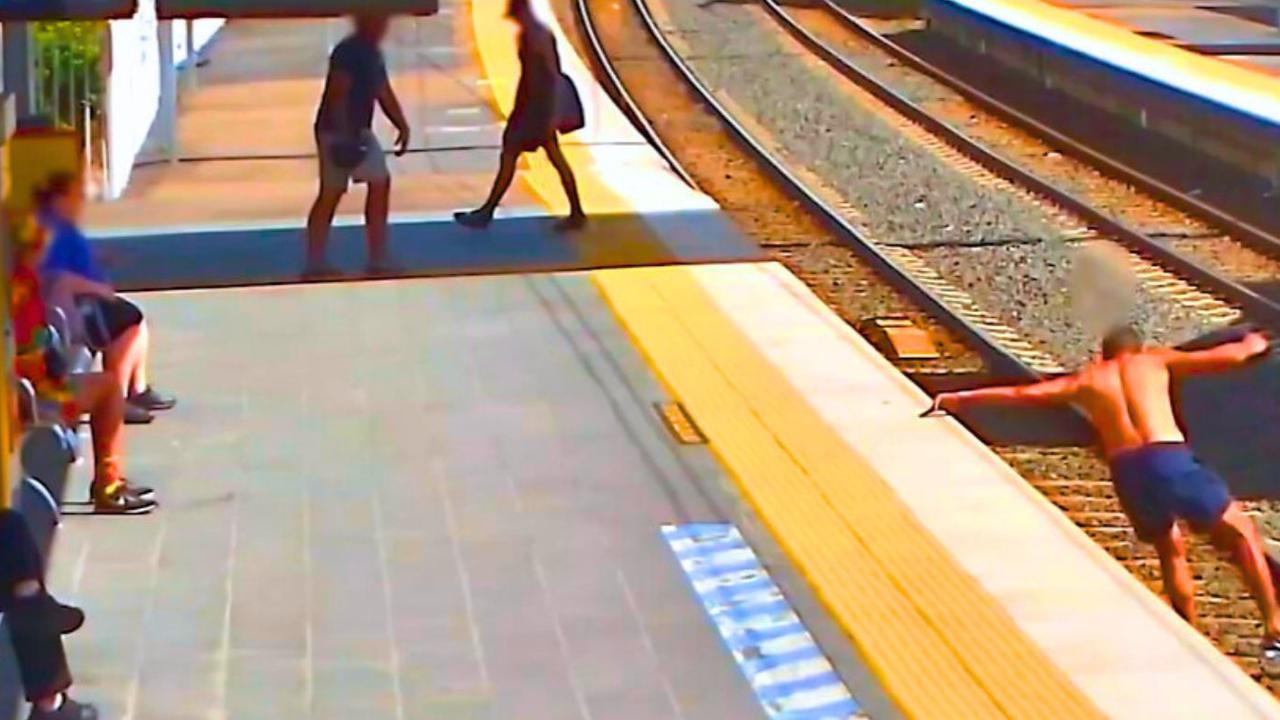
1235	85
940	645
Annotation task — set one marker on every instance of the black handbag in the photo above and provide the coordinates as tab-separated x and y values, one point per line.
569	112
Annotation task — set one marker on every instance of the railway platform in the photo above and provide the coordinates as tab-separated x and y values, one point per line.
632	473
1199	75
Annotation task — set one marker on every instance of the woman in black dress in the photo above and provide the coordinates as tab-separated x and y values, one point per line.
546	104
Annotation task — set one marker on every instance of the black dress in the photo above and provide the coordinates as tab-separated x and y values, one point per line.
533	119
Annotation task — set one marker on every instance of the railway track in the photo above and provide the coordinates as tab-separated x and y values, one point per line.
1005	354
1212	250
807	230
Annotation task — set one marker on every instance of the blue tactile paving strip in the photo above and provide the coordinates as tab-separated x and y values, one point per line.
786	668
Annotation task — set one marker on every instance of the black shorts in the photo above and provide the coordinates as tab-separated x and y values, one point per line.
1159	483
106	320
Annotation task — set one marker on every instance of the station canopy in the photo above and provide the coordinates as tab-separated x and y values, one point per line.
290	8
21	10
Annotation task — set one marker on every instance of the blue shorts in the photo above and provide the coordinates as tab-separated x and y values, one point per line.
1162	482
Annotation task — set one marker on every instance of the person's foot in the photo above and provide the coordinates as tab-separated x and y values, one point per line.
68	710
120	502
142	492
575	221
320	270
1269	658
41	614
134	415
152	401
476	219
381	267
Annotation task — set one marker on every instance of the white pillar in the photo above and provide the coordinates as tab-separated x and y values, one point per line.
168	120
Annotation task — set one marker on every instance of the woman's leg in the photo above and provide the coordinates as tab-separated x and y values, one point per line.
501	182
570	183
36	622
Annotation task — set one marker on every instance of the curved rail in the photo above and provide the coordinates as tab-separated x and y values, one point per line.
1002	362
1256	237
1259	307
615	88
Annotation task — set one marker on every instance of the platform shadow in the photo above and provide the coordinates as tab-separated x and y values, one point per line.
425	248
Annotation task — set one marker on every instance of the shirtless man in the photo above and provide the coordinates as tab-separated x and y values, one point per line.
1127	397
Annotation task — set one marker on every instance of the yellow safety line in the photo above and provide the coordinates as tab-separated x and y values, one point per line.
941	646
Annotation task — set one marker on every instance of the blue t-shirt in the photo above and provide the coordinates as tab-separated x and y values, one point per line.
69	251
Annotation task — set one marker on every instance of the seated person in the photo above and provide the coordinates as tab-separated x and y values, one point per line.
94	393
36	625
71	275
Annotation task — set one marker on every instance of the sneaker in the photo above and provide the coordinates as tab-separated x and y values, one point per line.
576	221
142	492
134	415
120	502
42	615
68	710
1270	658
476	219
152	401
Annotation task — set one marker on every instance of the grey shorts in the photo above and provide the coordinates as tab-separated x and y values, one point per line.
373	168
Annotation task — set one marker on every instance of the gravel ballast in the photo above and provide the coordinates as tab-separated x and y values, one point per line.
1011	254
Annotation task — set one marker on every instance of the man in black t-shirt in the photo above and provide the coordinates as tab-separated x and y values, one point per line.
347	147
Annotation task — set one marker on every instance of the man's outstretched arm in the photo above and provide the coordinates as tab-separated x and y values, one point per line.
1049	392
1216	359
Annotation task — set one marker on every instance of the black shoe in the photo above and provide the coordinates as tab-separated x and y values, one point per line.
42	615
68	710
153	401
121	502
476	219
141	492
134	415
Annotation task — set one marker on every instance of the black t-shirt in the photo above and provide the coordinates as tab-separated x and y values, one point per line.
361	61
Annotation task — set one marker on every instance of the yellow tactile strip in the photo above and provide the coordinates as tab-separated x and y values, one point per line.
940	645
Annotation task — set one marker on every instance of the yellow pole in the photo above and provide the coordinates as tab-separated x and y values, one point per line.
8	407
7	349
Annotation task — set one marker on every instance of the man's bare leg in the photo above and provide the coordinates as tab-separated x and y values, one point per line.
1179	584
1236	535
377	208
319	220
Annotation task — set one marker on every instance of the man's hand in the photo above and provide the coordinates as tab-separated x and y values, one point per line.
1255	343
402	140
944	402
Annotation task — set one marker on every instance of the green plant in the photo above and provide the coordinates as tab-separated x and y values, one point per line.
68	57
